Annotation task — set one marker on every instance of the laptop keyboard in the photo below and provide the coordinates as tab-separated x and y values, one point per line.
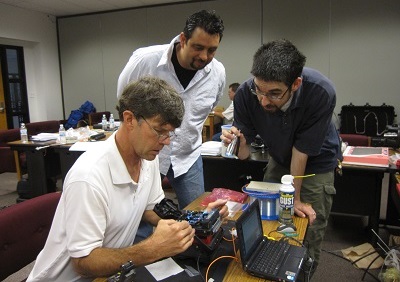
271	256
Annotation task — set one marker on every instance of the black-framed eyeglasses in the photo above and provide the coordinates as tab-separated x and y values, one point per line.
256	91
161	137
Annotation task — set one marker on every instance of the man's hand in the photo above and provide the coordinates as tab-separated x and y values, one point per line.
172	237
305	209
228	135
221	205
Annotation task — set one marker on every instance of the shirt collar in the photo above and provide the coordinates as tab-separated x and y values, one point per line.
116	163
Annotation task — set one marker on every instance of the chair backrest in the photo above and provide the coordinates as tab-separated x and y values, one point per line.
356	140
24	228
95	118
49	126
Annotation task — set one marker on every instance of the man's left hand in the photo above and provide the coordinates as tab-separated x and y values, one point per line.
305	209
221	205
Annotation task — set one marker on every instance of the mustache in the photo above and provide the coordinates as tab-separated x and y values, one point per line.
269	108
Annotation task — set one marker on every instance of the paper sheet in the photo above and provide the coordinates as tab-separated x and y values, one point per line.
164	268
359	255
211	148
45	136
84	146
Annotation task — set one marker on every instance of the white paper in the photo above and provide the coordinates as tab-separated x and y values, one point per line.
45	136
164	268
84	146
211	148
233	208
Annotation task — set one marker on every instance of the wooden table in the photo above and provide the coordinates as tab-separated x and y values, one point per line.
235	271
44	164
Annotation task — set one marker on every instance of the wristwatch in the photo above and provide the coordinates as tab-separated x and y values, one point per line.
126	274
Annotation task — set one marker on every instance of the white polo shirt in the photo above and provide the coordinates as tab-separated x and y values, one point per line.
200	97
101	206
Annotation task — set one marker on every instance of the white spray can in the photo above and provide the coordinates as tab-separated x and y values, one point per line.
286	200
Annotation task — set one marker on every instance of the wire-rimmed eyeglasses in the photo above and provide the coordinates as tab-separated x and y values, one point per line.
161	137
256	91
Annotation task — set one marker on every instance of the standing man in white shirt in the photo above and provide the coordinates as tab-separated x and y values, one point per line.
187	64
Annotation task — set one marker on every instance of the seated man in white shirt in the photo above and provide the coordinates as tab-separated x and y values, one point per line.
226	115
111	188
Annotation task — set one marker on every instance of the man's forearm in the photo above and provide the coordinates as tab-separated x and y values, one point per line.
103	262
244	151
297	168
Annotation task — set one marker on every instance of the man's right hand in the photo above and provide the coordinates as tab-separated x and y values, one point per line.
172	237
228	135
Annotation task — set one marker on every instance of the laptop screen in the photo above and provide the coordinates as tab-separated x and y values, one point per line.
251	231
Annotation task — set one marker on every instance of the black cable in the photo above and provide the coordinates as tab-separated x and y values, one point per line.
367	269
198	268
353	262
333	253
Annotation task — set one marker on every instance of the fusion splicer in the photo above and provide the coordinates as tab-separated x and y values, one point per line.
207	225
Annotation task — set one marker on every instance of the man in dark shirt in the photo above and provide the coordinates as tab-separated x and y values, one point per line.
291	108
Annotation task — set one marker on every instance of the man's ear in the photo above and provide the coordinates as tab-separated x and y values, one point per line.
182	39
296	84
128	117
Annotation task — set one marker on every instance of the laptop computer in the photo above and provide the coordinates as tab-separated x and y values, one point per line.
262	257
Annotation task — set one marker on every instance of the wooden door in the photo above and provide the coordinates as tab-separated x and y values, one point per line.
3	113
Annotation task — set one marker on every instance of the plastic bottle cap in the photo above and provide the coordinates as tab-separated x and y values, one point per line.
287	179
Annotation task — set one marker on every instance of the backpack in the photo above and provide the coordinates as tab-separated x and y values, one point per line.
73	119
80	114
87	108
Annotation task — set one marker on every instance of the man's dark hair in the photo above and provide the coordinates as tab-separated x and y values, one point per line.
209	21
234	86
278	61
149	97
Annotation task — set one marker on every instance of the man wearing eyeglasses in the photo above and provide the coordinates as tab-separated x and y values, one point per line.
114	186
291	108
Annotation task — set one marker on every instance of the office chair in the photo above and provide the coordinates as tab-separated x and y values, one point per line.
95	118
24	230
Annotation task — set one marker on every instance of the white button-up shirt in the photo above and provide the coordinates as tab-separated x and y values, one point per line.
200	97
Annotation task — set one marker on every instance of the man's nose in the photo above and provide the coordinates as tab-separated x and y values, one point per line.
264	101
203	55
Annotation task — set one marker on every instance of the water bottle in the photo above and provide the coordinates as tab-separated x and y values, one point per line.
104	122
24	133
112	124
62	135
286	200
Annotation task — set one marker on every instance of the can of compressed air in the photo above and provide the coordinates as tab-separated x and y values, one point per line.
286	200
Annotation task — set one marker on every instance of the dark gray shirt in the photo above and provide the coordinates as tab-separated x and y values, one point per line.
306	124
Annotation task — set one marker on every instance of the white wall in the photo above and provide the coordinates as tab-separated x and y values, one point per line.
355	43
37	34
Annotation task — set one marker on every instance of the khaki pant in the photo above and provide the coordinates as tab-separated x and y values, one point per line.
317	191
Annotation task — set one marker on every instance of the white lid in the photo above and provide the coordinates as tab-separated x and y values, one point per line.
287	179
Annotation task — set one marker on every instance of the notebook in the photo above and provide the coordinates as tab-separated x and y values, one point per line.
261	186
253	244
